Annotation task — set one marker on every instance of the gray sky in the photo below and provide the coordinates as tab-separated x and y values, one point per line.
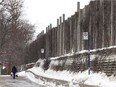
43	12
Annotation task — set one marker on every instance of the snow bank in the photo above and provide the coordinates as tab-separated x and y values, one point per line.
22	73
97	79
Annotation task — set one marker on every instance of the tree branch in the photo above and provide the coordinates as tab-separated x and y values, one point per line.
1	2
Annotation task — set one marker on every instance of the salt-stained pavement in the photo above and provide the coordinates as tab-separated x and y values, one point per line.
7	81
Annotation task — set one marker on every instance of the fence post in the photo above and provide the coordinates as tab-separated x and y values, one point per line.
103	26
111	41
46	42
58	37
63	33
70	23
78	27
89	53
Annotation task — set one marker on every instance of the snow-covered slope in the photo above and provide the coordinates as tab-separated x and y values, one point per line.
73	79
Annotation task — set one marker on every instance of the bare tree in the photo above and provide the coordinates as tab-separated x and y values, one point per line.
15	32
1	1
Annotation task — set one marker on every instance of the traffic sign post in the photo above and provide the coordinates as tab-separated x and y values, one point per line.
89	53
86	36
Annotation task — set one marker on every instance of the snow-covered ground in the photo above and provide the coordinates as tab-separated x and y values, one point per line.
98	79
74	79
8	81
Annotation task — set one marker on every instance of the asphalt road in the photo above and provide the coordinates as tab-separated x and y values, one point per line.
7	81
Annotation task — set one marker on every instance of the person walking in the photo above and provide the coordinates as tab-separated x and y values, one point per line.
14	71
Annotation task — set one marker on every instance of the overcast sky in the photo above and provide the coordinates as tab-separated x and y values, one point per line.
43	12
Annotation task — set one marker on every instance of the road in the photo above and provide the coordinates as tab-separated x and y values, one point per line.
7	81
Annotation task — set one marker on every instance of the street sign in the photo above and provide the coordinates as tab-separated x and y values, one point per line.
42	50
5	64
85	35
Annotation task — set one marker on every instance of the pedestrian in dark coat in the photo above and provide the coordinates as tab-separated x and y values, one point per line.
14	71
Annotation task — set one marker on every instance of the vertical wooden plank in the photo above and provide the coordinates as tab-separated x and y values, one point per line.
114	22
75	32
83	41
53	42
111	42
51	46
56	41
46	44
50	26
95	32
65	36
103	24
70	30
63	33
54	38
68	36
58	37
81	17
78	27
